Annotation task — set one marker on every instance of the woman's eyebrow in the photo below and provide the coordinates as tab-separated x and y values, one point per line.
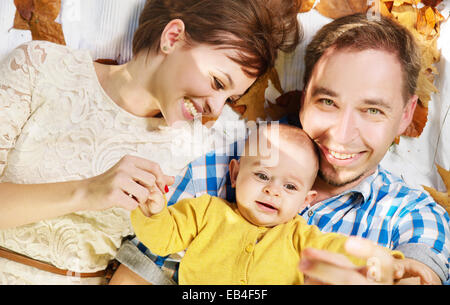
230	80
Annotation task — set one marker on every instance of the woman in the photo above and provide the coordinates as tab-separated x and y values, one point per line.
76	136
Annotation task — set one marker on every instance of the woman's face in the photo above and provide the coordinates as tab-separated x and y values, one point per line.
197	80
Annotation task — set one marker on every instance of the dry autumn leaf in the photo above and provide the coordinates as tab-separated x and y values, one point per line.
432	3
25	8
424	24
251	104
440	197
338	8
305	5
39	16
418	122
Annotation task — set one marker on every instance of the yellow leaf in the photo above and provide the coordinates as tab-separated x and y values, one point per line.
441	197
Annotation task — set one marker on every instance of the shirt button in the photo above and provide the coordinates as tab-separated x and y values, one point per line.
249	248
310	213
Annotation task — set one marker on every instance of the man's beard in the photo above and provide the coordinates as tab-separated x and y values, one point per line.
337	183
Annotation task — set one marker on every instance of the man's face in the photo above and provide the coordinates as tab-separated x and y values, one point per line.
353	108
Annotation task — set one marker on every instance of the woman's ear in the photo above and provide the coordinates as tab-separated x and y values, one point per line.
234	170
172	33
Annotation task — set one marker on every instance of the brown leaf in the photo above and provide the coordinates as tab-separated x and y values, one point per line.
441	197
432	3
418	122
20	23
45	29
338	8
25	8
305	5
287	104
251	104
42	19
47	8
107	61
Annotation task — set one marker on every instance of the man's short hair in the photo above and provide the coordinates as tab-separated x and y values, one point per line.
359	32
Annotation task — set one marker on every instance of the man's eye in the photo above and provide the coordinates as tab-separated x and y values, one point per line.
373	111
327	102
290	187
262	176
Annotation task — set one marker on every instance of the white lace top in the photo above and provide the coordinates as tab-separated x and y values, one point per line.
57	124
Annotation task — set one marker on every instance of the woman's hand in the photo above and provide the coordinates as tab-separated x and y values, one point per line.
126	184
323	267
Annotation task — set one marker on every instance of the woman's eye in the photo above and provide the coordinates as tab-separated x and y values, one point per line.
218	84
290	187
262	176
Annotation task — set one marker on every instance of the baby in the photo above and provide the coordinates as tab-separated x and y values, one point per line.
257	240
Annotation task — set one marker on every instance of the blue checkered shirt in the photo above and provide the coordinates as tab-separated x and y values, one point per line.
381	208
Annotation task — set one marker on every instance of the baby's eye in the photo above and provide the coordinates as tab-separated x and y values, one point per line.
262	176
290	187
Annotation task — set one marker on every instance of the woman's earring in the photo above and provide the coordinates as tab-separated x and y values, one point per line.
165	48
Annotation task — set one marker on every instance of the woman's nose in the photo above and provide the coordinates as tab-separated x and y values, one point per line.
215	105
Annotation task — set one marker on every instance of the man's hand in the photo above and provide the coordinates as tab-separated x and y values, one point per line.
331	268
416	272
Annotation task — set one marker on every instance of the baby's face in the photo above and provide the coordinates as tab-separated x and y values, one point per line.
269	195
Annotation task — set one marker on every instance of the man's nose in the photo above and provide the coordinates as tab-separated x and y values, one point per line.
345	127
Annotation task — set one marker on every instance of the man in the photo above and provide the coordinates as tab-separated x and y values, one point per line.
360	80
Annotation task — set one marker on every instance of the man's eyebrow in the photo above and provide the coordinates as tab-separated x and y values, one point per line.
377	102
324	91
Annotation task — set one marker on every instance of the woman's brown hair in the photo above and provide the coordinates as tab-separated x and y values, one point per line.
258	28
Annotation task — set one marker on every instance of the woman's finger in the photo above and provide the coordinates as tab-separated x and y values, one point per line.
144	178
161	179
135	190
125	201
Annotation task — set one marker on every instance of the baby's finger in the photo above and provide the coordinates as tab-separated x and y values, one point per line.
378	257
327	273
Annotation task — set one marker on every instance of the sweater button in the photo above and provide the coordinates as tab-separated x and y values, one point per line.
249	248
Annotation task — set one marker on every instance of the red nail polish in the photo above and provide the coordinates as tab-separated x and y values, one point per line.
166	188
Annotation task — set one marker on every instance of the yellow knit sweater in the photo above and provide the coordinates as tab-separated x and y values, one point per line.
224	248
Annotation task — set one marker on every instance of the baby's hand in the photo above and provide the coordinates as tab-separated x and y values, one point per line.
155	202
